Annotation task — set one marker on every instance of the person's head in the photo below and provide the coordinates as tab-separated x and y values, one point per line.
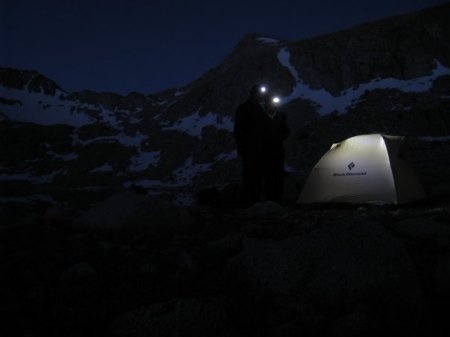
270	105
257	93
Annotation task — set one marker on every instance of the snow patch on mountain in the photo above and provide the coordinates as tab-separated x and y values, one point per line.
30	177
194	123
41	109
184	175
17	176
329	103
144	160
178	93
146	183
122	138
64	157
108	116
29	199
128	140
267	40
184	199
134	120
102	168
227	156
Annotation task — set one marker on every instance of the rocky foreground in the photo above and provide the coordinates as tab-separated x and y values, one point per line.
133	265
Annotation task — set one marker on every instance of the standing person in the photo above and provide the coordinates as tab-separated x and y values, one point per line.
249	137
276	132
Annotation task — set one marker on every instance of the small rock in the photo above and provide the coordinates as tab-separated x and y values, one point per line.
59	215
262	209
217	251
148	269
79	272
422	228
186	263
443	276
355	325
104	248
286	330
129	209
178	317
291	189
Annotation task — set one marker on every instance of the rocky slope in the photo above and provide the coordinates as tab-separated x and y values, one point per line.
136	266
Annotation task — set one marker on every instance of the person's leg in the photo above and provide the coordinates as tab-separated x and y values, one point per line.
252	179
278	185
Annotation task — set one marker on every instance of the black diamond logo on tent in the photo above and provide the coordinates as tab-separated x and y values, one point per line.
351	166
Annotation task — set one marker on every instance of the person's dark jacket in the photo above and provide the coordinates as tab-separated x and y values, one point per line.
275	133
249	128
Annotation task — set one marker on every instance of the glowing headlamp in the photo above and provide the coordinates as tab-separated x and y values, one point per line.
276	100
263	89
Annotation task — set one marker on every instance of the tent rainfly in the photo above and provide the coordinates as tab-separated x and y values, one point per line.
363	169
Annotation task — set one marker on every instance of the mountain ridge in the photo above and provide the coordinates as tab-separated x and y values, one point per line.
391	76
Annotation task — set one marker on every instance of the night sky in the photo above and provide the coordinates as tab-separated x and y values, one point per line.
149	46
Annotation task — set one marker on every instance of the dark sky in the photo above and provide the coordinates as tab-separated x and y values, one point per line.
149	46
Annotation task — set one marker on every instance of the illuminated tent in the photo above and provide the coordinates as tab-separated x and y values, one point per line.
363	169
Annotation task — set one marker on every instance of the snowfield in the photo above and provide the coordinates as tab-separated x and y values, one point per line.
329	103
194	123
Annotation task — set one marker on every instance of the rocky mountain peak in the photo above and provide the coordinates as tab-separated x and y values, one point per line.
402	47
253	40
29	80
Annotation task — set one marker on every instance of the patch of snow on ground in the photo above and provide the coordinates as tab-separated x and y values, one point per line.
30	177
184	199
17	176
46	179
65	157
165	102
107	116
102	168
329	103
130	140
185	174
29	199
146	183
77	141
144	160
194	124
127	140
134	120
227	156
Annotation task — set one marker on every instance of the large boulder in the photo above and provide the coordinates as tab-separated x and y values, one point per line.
129	209
262	209
423	229
343	268
355	324
442	276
